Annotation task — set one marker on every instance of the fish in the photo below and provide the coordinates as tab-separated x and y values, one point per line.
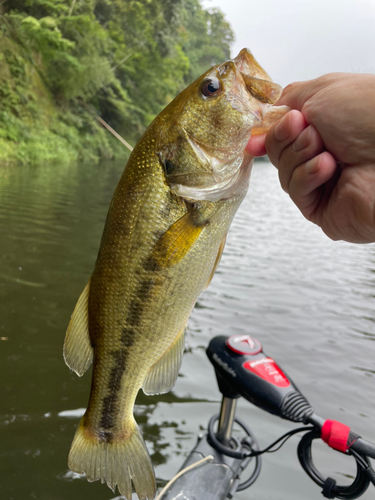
162	243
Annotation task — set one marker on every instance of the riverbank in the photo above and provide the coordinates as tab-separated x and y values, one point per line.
34	128
64	64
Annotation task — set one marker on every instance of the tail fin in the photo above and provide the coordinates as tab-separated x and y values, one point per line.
116	461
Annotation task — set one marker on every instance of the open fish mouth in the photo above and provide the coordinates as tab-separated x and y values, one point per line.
223	161
255	91
227	174
231	186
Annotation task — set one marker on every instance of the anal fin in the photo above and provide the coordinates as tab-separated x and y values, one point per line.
163	374
78	352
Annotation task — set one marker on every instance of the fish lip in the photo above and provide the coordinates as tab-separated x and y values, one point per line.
257	82
246	61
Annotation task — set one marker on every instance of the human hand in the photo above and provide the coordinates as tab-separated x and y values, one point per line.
324	150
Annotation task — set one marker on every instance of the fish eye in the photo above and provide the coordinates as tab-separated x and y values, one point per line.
211	87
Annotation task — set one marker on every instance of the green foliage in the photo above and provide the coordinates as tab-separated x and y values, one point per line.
206	38
64	61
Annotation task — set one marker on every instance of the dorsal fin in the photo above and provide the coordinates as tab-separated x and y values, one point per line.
78	352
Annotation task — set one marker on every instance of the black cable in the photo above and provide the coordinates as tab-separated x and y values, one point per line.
364	475
248	442
225	450
365	464
284	438
252	444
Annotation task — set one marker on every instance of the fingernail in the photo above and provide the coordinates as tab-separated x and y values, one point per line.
312	165
302	141
282	131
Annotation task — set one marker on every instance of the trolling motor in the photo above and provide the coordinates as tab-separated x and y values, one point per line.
243	369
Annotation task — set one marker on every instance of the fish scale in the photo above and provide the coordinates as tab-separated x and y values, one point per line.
162	242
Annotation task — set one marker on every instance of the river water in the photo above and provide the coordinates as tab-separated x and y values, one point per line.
310	302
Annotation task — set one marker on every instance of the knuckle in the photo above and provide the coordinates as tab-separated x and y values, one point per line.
291	87
309	110
315	139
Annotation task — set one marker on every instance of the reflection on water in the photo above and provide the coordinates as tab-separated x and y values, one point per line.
310	302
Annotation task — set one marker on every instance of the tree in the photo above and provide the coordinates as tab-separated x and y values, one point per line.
122	59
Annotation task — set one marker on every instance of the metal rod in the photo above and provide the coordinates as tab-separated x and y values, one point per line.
226	419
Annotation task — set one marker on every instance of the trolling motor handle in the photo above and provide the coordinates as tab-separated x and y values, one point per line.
243	369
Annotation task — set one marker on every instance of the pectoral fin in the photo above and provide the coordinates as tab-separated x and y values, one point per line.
163	375
177	241
78	352
217	262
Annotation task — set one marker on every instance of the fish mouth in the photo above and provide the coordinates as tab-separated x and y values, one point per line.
258	85
257	82
218	157
222	176
231	174
235	185
224	165
262	93
246	63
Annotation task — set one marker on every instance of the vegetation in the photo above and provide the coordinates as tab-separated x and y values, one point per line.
62	62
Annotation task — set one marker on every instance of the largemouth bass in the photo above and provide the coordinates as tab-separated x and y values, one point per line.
162	242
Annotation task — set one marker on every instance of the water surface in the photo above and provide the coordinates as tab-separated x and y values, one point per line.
310	301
